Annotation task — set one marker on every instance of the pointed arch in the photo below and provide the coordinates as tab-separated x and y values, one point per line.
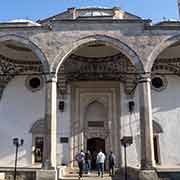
159	49
29	44
68	49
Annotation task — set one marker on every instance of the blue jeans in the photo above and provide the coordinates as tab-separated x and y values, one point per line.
100	169
88	166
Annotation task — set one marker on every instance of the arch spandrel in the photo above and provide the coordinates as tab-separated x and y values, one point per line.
68	49
159	49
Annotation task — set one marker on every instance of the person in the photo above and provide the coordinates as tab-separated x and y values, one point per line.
100	162
111	159
88	158
93	161
80	157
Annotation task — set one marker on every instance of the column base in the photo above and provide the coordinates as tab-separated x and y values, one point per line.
147	165
148	175
46	175
46	165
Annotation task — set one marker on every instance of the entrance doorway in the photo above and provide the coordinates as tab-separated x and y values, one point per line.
94	145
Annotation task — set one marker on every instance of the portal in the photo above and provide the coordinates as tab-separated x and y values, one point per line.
94	145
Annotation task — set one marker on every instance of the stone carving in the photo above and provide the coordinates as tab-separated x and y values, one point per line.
9	68
101	133
167	65
61	82
116	67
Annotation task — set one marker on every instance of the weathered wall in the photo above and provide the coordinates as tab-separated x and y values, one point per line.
64	36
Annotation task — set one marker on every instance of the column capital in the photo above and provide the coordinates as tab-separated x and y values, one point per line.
51	77
143	78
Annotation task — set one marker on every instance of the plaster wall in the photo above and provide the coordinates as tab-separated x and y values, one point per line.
19	109
130	126
166	111
64	130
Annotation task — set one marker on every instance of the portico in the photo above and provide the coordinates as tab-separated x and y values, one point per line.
68	82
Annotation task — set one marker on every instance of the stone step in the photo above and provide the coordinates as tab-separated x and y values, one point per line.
91	177
73	174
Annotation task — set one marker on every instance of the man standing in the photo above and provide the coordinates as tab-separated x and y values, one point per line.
88	158
100	162
80	159
111	163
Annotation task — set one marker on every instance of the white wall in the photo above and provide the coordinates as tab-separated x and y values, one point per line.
166	111
64	130
19	109
130	127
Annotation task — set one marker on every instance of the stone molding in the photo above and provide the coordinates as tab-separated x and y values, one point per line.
84	94
144	78
51	78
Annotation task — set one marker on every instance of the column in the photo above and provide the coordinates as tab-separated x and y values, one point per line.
146	132
50	122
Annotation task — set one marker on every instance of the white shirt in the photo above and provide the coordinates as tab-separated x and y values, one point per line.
101	157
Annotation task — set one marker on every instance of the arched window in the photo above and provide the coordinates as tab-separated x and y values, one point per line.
38	136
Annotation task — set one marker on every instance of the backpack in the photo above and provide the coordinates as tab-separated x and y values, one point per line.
111	159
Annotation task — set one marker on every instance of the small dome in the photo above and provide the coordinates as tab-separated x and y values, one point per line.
24	21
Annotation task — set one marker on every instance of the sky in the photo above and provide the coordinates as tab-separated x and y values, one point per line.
155	10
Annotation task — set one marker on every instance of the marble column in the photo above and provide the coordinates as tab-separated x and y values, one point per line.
146	129
50	119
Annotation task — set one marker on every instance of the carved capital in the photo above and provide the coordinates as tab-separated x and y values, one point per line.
51	77
144	78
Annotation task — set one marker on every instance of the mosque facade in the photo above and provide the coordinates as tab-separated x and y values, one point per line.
86	79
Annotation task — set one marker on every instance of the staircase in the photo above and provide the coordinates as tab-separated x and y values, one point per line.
72	174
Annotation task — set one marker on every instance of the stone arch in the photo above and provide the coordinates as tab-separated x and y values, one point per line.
66	50
35	49
159	49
